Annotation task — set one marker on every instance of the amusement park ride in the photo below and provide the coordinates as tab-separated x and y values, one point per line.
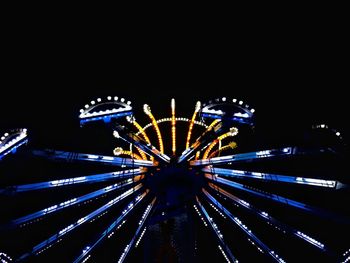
239	206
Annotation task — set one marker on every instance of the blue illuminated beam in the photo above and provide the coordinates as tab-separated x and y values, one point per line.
41	247
134	139
201	142
72	181
271	220
245	156
278	198
85	157
74	201
260	245
135	239
86	254
273	177
224	249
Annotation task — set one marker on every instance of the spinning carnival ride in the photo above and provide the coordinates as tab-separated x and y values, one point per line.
237	210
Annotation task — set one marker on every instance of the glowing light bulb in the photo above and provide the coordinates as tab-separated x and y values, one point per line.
117	151
116	134
146	109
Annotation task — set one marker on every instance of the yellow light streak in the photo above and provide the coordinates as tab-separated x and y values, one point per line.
213	124
119	151
140	129
198	153
198	106
173	127
148	112
233	132
231	145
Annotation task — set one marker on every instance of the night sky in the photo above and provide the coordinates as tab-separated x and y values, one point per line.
293	83
283	99
293	78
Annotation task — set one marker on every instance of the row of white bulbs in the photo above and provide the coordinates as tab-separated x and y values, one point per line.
109	98
224	99
8	144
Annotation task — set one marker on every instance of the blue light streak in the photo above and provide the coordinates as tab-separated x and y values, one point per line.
126	211
133	241
275	198
74	201
245	229
271	177
269	219
245	156
73	181
223	247
54	238
71	156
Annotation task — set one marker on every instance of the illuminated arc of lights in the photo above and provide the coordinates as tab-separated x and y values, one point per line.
177	119
143	155
142	132
144	135
148	112
173	127
139	128
233	132
231	145
9	142
198	106
88	111
208	128
213	124
119	151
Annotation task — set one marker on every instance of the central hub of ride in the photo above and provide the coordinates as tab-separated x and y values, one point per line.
174	184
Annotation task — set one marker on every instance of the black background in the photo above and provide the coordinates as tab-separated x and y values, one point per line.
294	74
